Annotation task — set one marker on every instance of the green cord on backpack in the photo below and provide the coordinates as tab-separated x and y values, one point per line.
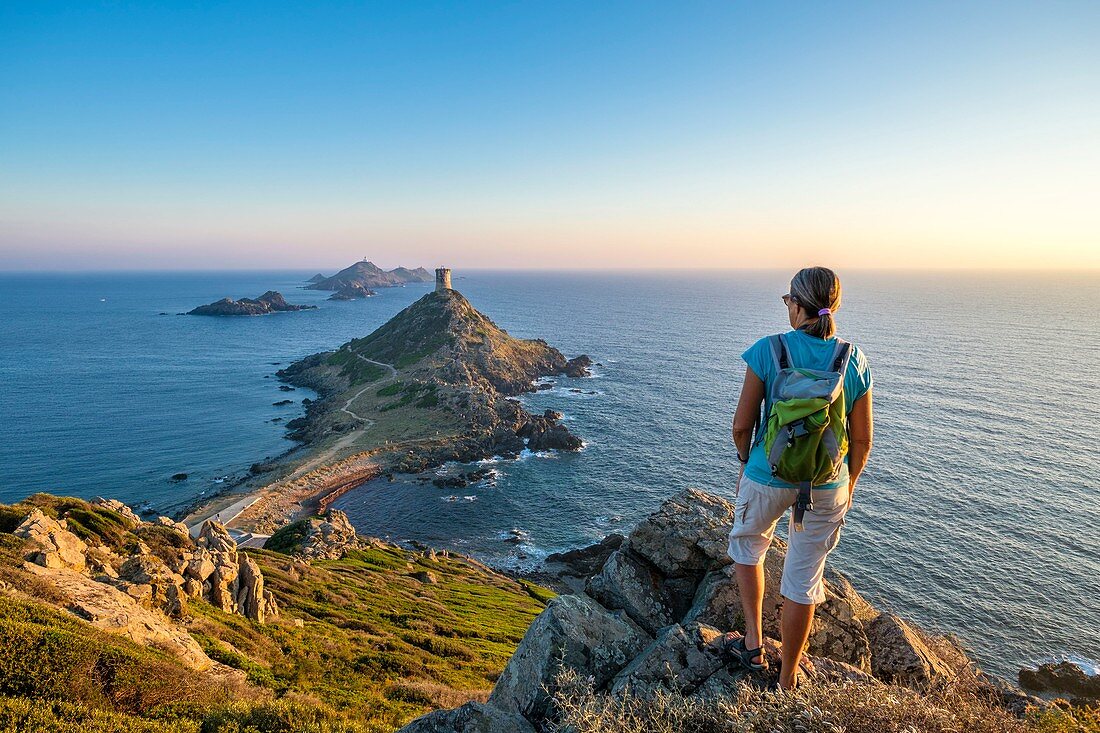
805	434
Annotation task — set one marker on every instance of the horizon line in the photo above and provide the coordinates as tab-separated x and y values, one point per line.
595	269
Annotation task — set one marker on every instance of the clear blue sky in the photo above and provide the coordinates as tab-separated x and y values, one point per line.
207	135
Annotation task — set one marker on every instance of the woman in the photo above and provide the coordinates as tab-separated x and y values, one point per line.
762	498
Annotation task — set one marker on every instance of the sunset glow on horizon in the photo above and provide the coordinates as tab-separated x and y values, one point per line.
862	135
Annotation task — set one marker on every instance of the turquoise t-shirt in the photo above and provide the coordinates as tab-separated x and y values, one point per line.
808	352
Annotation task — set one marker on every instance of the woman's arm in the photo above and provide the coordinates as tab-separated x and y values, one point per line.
748	412
860	436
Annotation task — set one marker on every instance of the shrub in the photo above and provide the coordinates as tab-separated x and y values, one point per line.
289	538
25	714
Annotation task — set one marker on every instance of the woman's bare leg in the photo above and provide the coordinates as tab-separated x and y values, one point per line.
797	619
750	583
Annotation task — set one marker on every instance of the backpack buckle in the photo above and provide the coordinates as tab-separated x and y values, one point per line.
804	503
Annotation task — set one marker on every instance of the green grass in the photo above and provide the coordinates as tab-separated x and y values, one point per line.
355	369
368	625
288	538
419	394
360	645
391	389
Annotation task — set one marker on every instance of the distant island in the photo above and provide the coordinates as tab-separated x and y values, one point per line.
366	276
269	302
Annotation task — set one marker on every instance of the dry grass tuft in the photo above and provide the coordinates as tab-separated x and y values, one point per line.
828	708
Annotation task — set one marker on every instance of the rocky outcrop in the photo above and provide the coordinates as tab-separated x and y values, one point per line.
269	302
210	568
118	507
578	366
656	608
233	582
329	538
108	608
1062	678
54	545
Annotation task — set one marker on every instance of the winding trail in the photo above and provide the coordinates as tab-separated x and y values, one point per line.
353	435
228	514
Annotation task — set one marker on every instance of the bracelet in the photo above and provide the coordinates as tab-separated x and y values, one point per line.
742	460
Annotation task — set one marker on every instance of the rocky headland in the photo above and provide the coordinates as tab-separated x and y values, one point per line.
270	302
365	276
436	383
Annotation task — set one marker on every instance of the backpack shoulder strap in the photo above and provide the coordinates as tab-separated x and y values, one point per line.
841	356
779	352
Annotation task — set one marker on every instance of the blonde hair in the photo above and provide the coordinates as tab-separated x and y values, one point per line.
816	289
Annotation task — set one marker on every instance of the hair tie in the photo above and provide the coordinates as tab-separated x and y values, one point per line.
824	312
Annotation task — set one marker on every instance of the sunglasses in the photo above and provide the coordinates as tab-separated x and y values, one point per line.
788	298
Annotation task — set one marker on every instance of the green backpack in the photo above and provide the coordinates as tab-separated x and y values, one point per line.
805	433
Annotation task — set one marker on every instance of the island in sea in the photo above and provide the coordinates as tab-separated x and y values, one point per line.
365	276
110	622
270	302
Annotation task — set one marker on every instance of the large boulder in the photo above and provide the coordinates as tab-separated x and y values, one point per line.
901	656
629	584
680	660
329	538
55	546
214	537
687	536
573	632
252	599
110	609
473	717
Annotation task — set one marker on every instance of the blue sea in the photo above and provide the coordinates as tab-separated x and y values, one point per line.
979	513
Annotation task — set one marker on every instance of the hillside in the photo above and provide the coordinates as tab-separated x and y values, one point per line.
361	642
366	275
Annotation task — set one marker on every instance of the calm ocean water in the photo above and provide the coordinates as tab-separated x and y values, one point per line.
978	513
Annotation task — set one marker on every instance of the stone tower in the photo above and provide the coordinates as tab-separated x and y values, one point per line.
442	278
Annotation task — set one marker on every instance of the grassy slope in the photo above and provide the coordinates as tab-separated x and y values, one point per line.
375	647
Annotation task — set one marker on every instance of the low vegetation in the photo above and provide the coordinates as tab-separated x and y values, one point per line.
362	645
824	708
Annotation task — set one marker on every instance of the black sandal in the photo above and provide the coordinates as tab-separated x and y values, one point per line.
744	656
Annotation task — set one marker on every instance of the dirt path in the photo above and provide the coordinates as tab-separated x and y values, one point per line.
323	462
351	437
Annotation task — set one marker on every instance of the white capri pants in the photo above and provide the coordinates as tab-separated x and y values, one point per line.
757	511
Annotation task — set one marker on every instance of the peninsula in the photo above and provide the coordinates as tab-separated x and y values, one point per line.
366	275
270	302
436	383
